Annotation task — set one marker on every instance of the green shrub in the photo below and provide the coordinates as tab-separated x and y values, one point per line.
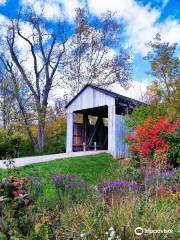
25	148
141	113
56	144
6	148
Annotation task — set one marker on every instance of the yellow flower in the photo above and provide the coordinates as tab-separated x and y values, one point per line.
38	227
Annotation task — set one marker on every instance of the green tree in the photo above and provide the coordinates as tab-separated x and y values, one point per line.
140	114
165	69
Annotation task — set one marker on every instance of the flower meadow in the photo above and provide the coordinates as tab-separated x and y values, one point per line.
48	204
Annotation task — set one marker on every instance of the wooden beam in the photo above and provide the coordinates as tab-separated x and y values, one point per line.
94	131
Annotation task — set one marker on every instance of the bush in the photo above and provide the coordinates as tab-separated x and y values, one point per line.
144	111
150	144
56	144
15	207
6	149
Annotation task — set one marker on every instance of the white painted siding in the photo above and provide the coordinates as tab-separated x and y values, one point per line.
69	134
121	132
90	98
112	130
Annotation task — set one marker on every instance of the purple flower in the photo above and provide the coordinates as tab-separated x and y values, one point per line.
67	181
71	176
167	175
80	183
133	185
35	181
58	180
117	186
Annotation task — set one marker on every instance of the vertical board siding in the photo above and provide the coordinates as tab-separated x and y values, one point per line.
117	130
121	133
112	130
69	138
90	98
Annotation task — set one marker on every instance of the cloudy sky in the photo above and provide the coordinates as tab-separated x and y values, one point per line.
142	20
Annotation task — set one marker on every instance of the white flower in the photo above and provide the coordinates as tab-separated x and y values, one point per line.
112	234
118	237
82	235
111	229
106	233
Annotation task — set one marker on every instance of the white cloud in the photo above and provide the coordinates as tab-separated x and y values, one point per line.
170	31
70	6
54	9
3	20
2	2
136	90
141	22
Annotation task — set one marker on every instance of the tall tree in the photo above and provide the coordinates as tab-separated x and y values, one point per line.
95	55
45	51
7	103
165	69
19	99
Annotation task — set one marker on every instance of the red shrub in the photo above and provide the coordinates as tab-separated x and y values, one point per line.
149	142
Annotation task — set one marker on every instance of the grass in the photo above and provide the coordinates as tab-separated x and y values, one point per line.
92	168
91	215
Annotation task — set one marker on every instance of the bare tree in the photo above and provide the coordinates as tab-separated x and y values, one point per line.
6	103
45	52
20	95
36	56
94	54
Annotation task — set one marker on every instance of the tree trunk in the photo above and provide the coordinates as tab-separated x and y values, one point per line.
41	127
40	136
29	131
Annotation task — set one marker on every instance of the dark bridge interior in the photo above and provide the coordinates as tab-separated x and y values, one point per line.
90	129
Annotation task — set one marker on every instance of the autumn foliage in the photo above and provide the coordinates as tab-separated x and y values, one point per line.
149	141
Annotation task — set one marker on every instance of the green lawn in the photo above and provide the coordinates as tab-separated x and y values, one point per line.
93	169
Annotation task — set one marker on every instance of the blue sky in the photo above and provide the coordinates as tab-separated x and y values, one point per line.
142	18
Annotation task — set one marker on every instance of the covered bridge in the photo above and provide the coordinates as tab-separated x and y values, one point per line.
96	120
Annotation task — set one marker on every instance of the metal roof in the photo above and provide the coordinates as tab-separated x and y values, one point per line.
119	98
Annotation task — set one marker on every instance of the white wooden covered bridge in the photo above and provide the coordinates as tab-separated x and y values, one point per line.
96	120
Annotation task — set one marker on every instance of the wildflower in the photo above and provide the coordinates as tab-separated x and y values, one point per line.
80	183
82	235
111	229
112	234
35	181
167	174
58	180
118	237
16	183
71	176
117	185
